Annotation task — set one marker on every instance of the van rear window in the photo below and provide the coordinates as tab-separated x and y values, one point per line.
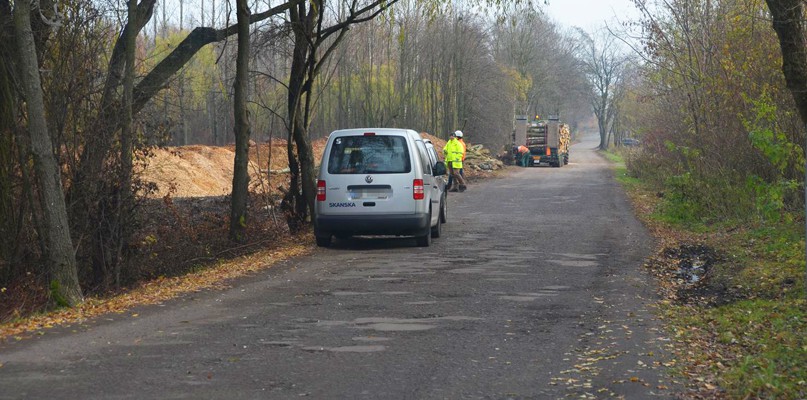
369	155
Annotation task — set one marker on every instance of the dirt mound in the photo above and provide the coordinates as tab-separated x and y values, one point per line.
203	171
191	171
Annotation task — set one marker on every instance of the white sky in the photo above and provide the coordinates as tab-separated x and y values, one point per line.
590	14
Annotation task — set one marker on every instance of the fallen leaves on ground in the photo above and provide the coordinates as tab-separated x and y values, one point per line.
161	289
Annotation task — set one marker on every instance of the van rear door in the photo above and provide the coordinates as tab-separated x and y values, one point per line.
368	174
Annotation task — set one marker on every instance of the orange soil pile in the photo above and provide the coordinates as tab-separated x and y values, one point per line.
201	171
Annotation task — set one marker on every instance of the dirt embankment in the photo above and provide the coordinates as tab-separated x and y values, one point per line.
202	171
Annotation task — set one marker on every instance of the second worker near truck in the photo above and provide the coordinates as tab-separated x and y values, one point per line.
523	156
454	153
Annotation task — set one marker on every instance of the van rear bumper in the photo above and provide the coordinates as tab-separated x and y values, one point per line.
387	224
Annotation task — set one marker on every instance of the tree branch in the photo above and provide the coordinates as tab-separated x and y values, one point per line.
198	38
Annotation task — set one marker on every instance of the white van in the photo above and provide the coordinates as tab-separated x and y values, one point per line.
378	181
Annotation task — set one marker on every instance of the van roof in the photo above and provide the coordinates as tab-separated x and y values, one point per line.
385	131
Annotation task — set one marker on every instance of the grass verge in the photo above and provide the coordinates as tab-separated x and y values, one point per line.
740	329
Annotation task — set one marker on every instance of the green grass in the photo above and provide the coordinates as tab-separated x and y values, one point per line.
760	349
755	347
620	170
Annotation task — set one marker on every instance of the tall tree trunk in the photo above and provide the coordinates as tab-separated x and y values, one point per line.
8	102
788	22
125	197
301	26
61	262
238	213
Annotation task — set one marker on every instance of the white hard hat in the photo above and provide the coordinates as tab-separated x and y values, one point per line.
458	133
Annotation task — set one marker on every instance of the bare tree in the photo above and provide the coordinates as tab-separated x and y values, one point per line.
61	262
238	208
788	22
604	65
313	45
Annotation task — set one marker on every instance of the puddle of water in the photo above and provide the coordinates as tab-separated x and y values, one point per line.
692	273
694	261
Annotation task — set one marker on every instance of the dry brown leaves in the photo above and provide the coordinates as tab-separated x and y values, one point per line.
161	289
662	264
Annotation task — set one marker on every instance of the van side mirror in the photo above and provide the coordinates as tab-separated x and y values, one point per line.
439	168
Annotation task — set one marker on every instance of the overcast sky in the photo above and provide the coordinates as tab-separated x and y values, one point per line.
589	14
586	14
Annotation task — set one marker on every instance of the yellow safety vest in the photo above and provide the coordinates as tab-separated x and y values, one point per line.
453	153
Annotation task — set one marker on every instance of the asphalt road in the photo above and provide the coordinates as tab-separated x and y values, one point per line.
536	290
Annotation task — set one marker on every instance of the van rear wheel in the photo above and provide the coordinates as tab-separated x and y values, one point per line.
437	229
425	240
323	241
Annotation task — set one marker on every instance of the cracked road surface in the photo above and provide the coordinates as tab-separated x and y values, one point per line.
536	290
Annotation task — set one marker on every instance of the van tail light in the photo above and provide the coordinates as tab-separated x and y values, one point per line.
320	190
418	193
